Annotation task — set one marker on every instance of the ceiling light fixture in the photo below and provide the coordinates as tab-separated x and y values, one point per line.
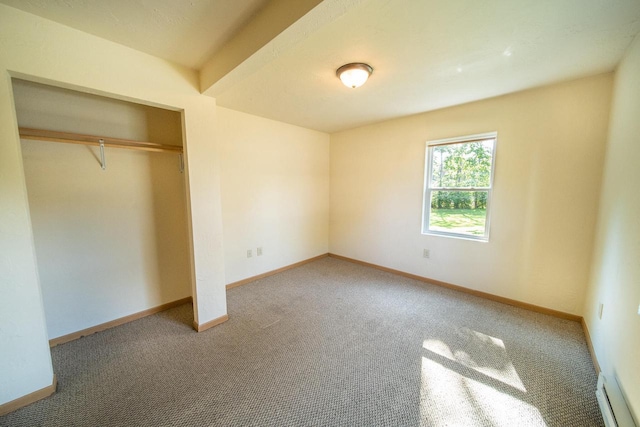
354	75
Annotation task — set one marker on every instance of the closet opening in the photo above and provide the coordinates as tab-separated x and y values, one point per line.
107	198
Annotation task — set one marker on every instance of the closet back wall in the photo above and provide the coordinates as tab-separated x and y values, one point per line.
108	243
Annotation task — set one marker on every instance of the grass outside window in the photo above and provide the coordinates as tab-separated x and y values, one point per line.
462	221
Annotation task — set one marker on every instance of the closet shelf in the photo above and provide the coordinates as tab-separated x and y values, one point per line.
76	138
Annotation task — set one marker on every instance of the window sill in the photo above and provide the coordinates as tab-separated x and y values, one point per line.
482	239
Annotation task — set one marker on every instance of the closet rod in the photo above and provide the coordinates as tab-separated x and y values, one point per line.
77	138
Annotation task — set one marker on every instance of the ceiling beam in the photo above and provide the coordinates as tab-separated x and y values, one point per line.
277	27
270	21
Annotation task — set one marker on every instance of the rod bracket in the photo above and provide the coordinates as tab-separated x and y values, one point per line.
103	162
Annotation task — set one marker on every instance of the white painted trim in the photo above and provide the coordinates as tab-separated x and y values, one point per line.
426	190
465	138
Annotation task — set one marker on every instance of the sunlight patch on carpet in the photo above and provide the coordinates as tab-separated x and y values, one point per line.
480	352
471	381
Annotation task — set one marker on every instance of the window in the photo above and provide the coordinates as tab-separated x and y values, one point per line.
458	182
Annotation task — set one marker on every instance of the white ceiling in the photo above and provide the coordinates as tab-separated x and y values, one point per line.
426	54
187	32
430	54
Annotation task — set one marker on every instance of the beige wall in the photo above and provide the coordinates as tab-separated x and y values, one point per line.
108	243
615	280
275	193
549	157
39	50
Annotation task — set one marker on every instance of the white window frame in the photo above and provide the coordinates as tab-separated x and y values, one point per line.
428	188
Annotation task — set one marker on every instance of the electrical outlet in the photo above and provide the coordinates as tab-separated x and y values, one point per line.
249	254
259	251
600	310
638	309
426	253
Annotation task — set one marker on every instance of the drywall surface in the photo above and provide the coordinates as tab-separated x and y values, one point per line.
275	193
25	361
549	157
615	280
36	49
108	243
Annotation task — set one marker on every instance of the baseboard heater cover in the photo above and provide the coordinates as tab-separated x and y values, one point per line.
613	405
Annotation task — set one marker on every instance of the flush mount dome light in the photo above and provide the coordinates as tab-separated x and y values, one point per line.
354	75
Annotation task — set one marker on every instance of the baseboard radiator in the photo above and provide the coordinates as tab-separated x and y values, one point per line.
613	403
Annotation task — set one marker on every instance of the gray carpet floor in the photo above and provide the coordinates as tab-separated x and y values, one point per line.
330	343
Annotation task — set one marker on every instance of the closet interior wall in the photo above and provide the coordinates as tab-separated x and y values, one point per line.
109	243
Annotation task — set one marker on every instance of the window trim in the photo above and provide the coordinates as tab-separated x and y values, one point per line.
427	189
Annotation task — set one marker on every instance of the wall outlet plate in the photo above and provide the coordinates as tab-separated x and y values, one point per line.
249	254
